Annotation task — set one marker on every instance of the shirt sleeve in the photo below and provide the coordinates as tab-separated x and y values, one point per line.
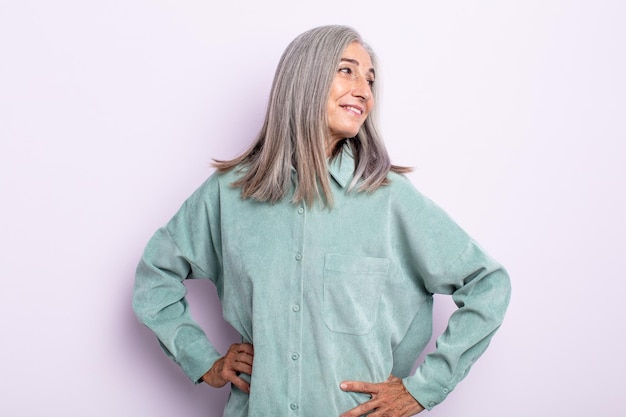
436	251
185	248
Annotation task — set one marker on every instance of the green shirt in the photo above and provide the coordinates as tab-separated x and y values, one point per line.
324	295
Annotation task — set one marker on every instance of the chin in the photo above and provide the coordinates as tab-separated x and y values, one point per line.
352	132
346	133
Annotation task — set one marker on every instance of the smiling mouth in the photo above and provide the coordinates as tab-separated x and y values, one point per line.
355	110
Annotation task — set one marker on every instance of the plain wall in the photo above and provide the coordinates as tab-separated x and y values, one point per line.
512	113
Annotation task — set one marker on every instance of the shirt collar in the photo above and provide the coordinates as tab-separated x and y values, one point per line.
341	168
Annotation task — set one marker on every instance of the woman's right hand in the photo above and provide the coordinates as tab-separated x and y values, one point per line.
237	360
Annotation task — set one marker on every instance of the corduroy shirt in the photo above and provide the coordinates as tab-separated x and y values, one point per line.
323	294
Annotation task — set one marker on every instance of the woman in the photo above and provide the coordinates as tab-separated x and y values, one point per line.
324	256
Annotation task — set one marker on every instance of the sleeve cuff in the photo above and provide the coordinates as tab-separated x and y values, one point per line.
197	359
427	394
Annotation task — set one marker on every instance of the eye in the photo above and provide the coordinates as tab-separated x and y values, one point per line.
370	82
345	70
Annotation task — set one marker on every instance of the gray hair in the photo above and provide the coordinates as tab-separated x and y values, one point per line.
294	132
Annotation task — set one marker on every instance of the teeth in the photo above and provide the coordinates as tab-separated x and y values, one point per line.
354	110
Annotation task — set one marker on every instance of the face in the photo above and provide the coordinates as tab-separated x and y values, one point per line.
350	100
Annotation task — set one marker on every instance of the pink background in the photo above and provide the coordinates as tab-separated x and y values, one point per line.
512	112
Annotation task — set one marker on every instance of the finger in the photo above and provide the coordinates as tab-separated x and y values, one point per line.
240	383
242	367
245	358
246	347
237	354
359	386
395	401
241	353
234	377
360	409
242	347
237	361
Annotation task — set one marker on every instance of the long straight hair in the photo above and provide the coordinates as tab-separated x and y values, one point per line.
294	132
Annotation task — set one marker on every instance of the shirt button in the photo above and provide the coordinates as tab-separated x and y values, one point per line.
300	210
295	308
431	404
295	357
293	406
298	256
445	390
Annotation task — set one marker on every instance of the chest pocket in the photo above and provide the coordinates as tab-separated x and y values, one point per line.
352	289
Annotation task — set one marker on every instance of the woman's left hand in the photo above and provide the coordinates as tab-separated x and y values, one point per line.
389	399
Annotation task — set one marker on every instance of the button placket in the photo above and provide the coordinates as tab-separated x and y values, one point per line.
293	356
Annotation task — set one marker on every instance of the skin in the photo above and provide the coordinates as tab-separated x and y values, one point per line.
227	369
350	101
350	98
389	399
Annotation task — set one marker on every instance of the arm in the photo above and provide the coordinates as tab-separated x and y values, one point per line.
481	292
440	255
447	261
188	247
482	297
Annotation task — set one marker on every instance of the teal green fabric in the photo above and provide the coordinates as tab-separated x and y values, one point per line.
324	295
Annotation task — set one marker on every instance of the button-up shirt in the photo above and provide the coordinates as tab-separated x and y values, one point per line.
325	294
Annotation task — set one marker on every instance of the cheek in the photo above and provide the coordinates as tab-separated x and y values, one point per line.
332	97
370	105
338	89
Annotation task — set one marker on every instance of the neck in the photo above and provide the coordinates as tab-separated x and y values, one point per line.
331	145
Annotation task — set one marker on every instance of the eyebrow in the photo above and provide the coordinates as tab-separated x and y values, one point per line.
355	62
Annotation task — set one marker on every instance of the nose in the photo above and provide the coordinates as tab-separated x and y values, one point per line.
362	89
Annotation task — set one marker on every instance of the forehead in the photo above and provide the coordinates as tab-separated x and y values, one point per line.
356	52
